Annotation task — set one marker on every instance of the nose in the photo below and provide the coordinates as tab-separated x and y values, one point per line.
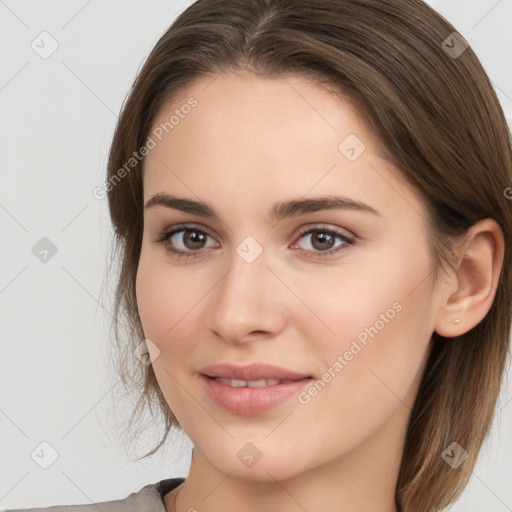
248	303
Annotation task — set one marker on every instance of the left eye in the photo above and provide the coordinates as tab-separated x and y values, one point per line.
193	239
323	239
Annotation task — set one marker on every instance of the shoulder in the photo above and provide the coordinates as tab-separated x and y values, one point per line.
148	499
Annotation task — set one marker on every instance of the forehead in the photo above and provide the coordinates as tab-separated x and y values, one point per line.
243	104
248	135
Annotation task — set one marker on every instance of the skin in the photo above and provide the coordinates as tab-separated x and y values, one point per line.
249	143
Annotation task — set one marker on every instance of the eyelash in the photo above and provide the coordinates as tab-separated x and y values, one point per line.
166	235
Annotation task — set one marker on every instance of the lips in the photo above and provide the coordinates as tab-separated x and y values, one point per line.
251	389
252	372
250	400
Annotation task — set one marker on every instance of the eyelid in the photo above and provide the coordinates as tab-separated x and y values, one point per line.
335	229
302	230
166	233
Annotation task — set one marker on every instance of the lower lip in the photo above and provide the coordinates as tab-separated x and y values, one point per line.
250	401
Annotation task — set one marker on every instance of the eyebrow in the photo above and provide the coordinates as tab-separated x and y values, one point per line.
279	211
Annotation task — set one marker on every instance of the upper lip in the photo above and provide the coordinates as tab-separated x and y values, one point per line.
251	372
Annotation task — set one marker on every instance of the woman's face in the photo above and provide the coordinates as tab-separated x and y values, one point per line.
350	304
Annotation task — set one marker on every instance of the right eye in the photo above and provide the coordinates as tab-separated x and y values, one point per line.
191	238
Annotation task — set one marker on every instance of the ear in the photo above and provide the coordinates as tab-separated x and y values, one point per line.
470	288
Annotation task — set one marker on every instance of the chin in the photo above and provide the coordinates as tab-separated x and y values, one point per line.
259	461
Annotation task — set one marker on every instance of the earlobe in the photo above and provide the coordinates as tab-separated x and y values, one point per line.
479	265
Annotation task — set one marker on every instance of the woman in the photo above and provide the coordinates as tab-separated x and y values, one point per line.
312	213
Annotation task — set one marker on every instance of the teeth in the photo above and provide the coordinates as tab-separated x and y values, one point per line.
262	383
238	383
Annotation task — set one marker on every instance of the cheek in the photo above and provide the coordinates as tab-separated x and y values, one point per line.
165	308
379	324
364	297
170	309
161	298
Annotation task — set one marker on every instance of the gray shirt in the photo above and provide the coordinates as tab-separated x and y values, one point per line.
149	499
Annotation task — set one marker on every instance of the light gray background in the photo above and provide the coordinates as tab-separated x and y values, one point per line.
56	123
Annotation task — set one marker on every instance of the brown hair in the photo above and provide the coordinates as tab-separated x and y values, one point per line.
440	123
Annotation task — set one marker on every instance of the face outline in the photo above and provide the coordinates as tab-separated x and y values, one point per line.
249	143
